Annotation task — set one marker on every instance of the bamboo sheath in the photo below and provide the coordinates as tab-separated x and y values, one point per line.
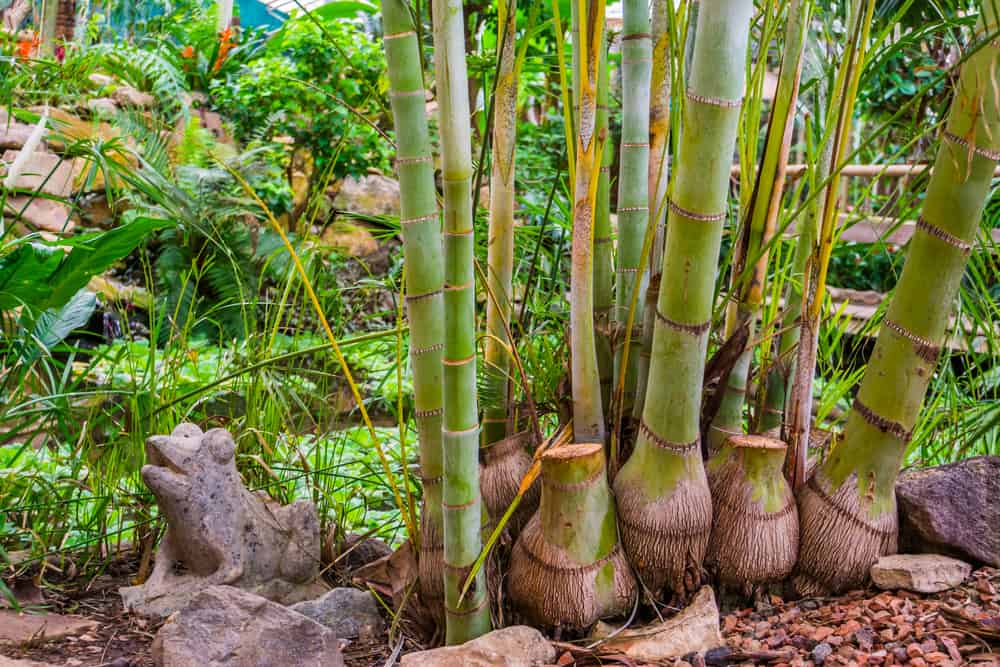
858	478
421	230
633	184
461	501
665	507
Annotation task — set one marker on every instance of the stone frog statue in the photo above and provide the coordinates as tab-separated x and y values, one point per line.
219	532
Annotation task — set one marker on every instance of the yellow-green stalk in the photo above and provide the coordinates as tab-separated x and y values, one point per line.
764	207
665	508
500	249
588	410
603	251
851	498
421	227
461	501
633	182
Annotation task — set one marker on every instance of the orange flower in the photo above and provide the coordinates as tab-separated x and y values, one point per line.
187	52
225	45
26	46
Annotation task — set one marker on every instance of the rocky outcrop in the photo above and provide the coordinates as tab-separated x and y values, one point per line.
516	646
371	194
952	509
227	627
220	532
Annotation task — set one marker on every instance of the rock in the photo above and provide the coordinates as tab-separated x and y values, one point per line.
43	172
12	662
12	133
952	510
516	646
821	652
102	106
350	612
19	628
920	573
351	239
44	214
372	194
227	627
101	80
694	630
127	96
219	531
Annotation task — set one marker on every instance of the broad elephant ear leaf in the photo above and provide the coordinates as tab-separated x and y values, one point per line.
41	277
55	324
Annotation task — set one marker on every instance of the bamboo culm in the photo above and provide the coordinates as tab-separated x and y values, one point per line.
664	503
851	498
633	185
422	255
461	501
604	260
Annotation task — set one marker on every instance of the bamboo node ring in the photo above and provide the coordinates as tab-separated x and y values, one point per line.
699	217
413	160
423	218
436	412
693	329
399	35
417	351
964	143
663	443
426	295
713	101
942	235
893	428
925	349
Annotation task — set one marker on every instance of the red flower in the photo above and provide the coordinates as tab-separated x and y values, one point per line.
187	52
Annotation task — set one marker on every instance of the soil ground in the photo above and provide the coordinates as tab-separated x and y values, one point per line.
957	627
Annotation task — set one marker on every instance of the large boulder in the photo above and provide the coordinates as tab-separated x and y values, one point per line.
952	510
227	627
516	646
43	172
350	612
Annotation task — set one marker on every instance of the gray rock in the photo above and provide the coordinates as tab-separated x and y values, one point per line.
952	510
821	652
227	627
371	194
219	531
102	106
920	573
350	612
516	646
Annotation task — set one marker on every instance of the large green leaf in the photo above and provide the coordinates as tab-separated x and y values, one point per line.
41	277
55	324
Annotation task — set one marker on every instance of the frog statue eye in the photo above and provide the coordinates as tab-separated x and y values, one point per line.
220	445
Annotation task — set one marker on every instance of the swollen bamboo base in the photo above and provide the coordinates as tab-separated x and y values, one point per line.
666	538
430	566
838	540
567	568
505	464
755	523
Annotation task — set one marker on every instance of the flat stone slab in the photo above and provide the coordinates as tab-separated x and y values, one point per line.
920	573
516	646
349	612
17	628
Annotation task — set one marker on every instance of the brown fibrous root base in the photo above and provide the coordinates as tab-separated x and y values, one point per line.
667	539
838	540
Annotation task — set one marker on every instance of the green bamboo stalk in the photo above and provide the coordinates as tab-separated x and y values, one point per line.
633	179
500	249
421	227
764	207
466	617
771	414
798	422
664	503
49	25
588	411
851	498
603	252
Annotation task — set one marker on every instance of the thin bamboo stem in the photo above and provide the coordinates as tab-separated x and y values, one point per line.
421	230
603	250
468	617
